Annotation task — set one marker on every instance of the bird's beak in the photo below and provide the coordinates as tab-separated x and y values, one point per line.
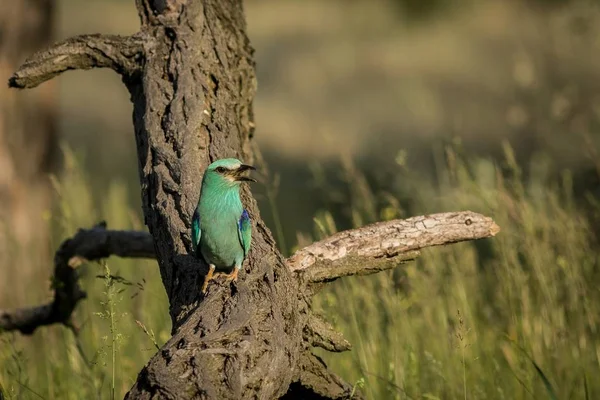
239	174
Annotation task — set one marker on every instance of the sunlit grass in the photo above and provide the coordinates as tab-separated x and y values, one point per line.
512	317
56	363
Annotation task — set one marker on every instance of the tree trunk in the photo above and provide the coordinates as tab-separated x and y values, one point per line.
191	77
193	106
28	144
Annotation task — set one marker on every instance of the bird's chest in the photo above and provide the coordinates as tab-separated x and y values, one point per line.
219	243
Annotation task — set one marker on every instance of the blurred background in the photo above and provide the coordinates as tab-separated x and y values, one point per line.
365	111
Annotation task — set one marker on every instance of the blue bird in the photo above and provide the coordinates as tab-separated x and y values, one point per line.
221	227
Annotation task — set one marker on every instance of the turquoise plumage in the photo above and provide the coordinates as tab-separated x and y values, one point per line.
221	227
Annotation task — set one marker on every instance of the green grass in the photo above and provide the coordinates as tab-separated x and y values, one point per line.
110	348
513	317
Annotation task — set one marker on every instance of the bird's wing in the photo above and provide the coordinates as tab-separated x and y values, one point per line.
245	232
196	233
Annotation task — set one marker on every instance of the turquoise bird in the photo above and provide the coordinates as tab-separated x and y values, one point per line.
221	228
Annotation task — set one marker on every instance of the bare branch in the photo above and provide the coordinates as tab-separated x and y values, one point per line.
87	244
120	53
319	333
385	244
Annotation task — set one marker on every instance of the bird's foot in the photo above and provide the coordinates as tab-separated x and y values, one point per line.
233	276
212	275
209	276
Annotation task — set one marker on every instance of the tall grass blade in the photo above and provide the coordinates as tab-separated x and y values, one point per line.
549	388
518	378
547	384
586	390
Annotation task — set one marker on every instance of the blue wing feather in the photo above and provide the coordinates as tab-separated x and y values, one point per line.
196	233
245	232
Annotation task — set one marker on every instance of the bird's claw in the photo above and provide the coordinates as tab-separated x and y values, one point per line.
209	276
205	285
233	276
212	275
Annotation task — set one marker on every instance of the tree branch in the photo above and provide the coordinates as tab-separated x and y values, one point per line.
87	244
120	53
384	245
319	333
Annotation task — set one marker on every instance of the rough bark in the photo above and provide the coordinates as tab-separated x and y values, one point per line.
191	78
28	142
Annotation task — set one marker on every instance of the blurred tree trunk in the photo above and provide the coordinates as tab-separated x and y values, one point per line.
28	142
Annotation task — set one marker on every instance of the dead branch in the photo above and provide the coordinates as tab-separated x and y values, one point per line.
88	244
120	53
384	245
319	333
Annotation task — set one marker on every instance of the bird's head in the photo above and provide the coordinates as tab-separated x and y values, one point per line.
229	171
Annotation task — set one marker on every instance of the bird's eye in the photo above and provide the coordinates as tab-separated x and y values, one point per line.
220	170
